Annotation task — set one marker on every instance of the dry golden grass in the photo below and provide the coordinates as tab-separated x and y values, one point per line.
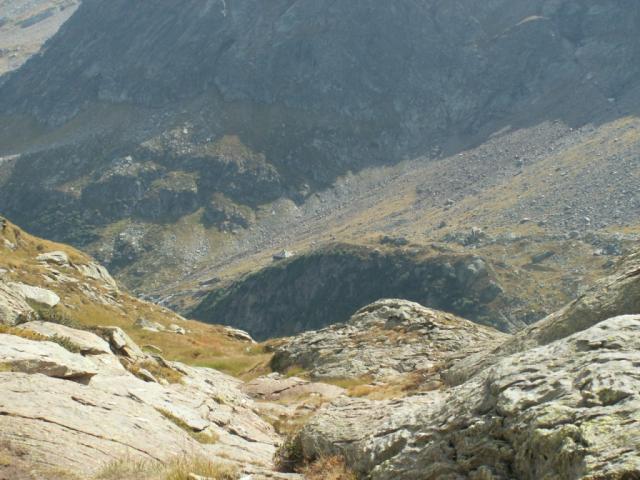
203	437
19	332
204	345
177	469
160	372
349	383
328	468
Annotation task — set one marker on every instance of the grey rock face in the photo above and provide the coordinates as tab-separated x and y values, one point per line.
308	292
50	359
618	294
385	339
339	57
13	305
566	410
309	90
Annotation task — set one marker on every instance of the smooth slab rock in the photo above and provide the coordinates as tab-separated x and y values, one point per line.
385	339
98	273
59	258
20	355
89	343
566	410
276	387
205	400
37	295
13	305
79	428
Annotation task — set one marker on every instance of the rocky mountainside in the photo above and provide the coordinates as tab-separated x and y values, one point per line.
558	400
567	410
42	280
410	392
385	339
195	135
81	399
25	25
326	286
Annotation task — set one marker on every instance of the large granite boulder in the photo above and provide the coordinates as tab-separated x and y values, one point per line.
21	355
385	339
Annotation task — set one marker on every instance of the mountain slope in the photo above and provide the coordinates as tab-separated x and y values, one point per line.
42	280
25	25
180	124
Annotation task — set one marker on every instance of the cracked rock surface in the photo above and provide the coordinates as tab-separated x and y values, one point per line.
566	410
386	339
80	411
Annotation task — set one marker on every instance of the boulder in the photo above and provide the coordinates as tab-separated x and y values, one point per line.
89	343
37	295
13	305
177	329
21	355
238	334
122	344
97	272
385	339
145	324
57	257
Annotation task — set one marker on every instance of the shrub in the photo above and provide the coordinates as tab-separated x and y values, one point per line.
289	457
65	342
55	315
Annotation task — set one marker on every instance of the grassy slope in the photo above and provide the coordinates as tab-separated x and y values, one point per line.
204	345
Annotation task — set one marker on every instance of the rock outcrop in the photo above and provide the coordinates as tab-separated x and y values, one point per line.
385	339
565	410
79	411
308	292
77	392
13	305
617	294
46	358
37	295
